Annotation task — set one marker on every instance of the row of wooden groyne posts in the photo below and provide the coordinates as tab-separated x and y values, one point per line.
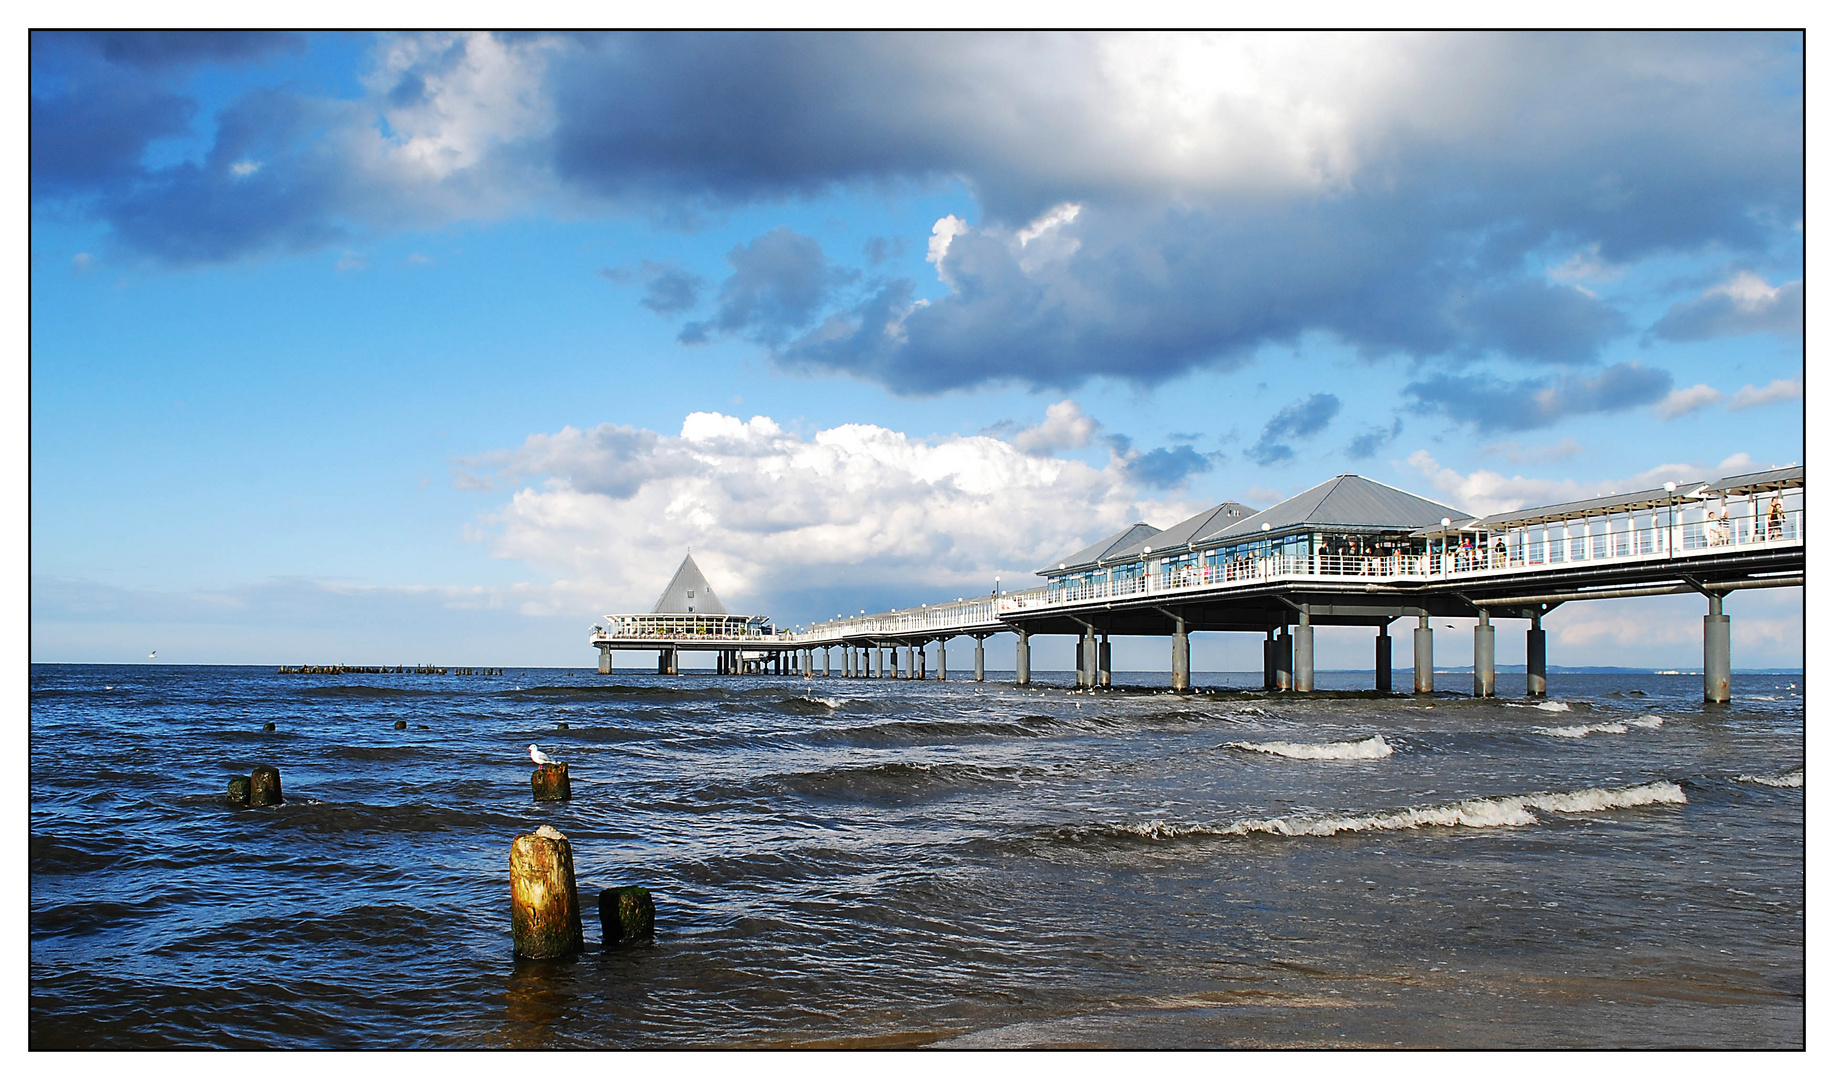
545	918
398	669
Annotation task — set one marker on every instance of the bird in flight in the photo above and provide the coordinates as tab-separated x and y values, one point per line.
538	757
152	654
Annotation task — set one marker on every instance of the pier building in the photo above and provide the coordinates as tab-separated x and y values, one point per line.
1348	552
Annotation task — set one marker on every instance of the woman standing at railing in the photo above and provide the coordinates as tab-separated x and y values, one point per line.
1773	527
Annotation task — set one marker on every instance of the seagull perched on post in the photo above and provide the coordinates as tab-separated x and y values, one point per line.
538	757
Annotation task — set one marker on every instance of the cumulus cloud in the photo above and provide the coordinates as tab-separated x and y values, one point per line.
1489	402
1168	467
1142	204
1065	427
1743	304
1485	491
1296	421
769	510
1750	396
778	282
1684	400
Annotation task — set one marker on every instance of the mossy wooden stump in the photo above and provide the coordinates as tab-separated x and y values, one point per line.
544	904
264	786
627	913
551	784
238	791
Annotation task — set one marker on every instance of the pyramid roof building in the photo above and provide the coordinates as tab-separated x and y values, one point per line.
688	593
1137	533
1208	523
1348	503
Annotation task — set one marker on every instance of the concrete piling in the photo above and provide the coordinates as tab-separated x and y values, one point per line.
1423	657
1022	659
1283	660
1483	656
1537	658
1302	651
942	659
238	791
1384	660
627	913
1716	651
1181	656
1270	678
604	660
544	902
1104	663
264	786
551	783
980	658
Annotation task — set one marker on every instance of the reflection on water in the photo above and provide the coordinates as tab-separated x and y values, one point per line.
857	863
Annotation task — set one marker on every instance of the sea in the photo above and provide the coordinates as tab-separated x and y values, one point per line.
858	863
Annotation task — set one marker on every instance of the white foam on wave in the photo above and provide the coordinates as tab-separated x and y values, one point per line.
1544	706
1790	779
1363	750
1508	811
1615	727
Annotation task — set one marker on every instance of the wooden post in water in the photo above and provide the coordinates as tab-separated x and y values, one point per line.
264	786
544	903
627	913
238	791
550	783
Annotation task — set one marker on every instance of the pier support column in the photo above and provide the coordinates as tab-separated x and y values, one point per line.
888	662
1269	666
1088	655
875	660
1423	657
1283	660
1104	663
846	661
902	658
921	660
1181	656
674	661
942	659
1079	663
1537	658
1716	651
980	658
1022	660
1302	651
824	663
1483	656
1384	660
604	659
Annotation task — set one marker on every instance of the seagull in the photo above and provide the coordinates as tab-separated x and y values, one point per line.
152	654
538	757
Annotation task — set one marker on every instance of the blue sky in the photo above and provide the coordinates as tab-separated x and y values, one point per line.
439	347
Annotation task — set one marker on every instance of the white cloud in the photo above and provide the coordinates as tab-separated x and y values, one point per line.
245	168
1485	491
946	229
1750	396
1682	401
1065	427
476	91
769	511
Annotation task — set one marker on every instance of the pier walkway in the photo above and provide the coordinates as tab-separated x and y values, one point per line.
1349	552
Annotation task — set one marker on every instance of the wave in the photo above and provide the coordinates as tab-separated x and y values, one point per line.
1790	779
895	780
362	692
1615	727
1544	706
1364	750
1507	811
809	706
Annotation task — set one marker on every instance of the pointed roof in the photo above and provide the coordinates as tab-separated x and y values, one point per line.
1138	532
1347	501
688	593
1208	523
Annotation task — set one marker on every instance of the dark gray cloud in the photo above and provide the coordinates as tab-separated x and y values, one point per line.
1725	312
1297	421
668	288
1169	466
1372	440
779	281
1421	230
1486	401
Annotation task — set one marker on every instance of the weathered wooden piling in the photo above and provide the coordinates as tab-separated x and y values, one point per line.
544	903
264	786
550	783
269	726
401	725
627	913
238	791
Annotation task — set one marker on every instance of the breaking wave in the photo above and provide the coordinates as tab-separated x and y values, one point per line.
1616	727
1485	813
1363	750
1544	706
1790	779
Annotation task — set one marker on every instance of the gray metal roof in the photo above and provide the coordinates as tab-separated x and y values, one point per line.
1350	502
1213	520
688	593
1604	504
1792	476
1101	549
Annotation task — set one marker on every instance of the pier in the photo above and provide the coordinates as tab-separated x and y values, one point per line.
1347	552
